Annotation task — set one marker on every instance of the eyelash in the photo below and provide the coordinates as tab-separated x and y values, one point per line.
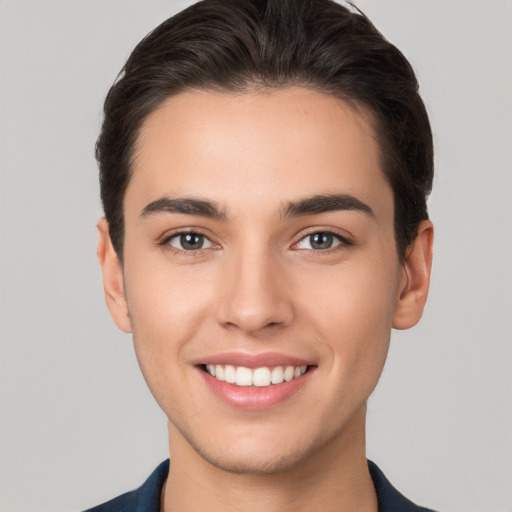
342	244
187	252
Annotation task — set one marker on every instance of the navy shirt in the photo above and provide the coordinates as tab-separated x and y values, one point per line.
147	497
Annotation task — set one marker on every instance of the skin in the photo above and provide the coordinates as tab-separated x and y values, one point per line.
257	286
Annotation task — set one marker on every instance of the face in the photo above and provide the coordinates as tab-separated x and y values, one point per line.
259	247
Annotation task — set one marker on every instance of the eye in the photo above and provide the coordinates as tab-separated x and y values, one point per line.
189	241
321	241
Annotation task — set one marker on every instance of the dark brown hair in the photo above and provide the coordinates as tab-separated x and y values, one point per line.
235	45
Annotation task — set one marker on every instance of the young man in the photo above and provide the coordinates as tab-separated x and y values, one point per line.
264	169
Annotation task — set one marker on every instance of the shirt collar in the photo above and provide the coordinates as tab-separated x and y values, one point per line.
389	499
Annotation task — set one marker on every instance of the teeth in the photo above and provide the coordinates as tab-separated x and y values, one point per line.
230	374
243	376
289	373
277	375
219	372
259	377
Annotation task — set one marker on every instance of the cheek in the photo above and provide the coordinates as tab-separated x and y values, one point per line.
352	308
167	307
163	296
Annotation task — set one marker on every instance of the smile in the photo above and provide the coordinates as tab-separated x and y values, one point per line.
258	377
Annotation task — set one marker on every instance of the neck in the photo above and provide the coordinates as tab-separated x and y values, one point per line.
335	478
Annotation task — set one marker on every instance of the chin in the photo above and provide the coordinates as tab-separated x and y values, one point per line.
253	461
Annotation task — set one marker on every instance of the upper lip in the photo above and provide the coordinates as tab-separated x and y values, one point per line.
253	360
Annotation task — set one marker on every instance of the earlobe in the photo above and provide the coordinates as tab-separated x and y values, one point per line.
416	279
113	283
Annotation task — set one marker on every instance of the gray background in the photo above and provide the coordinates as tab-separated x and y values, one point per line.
77	423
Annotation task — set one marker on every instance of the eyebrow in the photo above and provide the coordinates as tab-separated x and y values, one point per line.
185	205
324	203
317	204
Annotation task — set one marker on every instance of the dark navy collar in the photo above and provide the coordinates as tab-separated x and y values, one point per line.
147	497
144	499
389	499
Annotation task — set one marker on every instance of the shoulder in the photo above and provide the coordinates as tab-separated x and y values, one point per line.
389	499
144	499
124	503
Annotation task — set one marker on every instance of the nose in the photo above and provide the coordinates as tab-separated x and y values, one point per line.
256	298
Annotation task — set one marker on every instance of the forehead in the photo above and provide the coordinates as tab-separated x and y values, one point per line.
257	149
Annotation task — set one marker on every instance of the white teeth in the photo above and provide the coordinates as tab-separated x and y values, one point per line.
289	373
243	376
230	374
219	372
277	375
260	377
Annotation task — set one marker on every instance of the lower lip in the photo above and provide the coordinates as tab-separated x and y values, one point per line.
252	397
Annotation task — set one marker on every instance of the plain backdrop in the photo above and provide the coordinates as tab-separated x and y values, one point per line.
78	425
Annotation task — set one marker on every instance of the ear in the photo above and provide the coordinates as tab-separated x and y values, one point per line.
415	280
113	282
